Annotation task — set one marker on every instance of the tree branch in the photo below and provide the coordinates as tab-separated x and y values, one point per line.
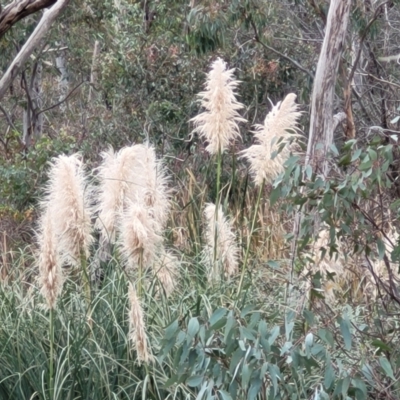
19	9
40	31
8	118
363	37
62	101
287	58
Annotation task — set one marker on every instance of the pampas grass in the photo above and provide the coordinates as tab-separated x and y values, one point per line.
131	176
273	139
218	124
221	248
51	277
154	189
67	203
64	234
137	329
119	183
139	235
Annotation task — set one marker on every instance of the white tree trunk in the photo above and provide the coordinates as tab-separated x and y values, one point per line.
49	16
321	120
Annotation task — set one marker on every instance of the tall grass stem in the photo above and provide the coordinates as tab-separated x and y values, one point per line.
51	361
217	202
253	223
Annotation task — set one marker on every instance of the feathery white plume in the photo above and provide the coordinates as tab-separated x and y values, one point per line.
154	188
266	161
139	235
68	206
221	248
51	277
133	175
137	329
120	180
219	123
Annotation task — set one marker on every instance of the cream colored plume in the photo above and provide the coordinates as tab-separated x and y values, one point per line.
280	127
139	235
218	124
133	175
137	329
167	271
221	249
68	206
120	180
154	188
51	277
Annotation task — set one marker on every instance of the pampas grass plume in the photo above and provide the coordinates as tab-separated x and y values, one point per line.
218	124
266	161
117	186
67	204
137	329
154	188
139	236
51	277
133	175
224	246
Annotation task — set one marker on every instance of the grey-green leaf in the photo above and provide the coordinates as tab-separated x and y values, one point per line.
345	329
385	364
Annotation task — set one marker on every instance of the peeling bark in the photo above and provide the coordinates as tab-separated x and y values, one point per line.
321	121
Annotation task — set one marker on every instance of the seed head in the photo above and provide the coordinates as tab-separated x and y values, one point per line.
67	204
51	277
221	248
137	328
273	141
218	124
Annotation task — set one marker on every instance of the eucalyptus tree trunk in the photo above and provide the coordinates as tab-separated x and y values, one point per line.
322	121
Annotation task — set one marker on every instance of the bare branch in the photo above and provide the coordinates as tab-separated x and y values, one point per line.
8	118
19	9
40	31
287	58
61	101
363	37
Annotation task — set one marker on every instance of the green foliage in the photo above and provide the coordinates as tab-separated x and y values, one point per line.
223	352
21	175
